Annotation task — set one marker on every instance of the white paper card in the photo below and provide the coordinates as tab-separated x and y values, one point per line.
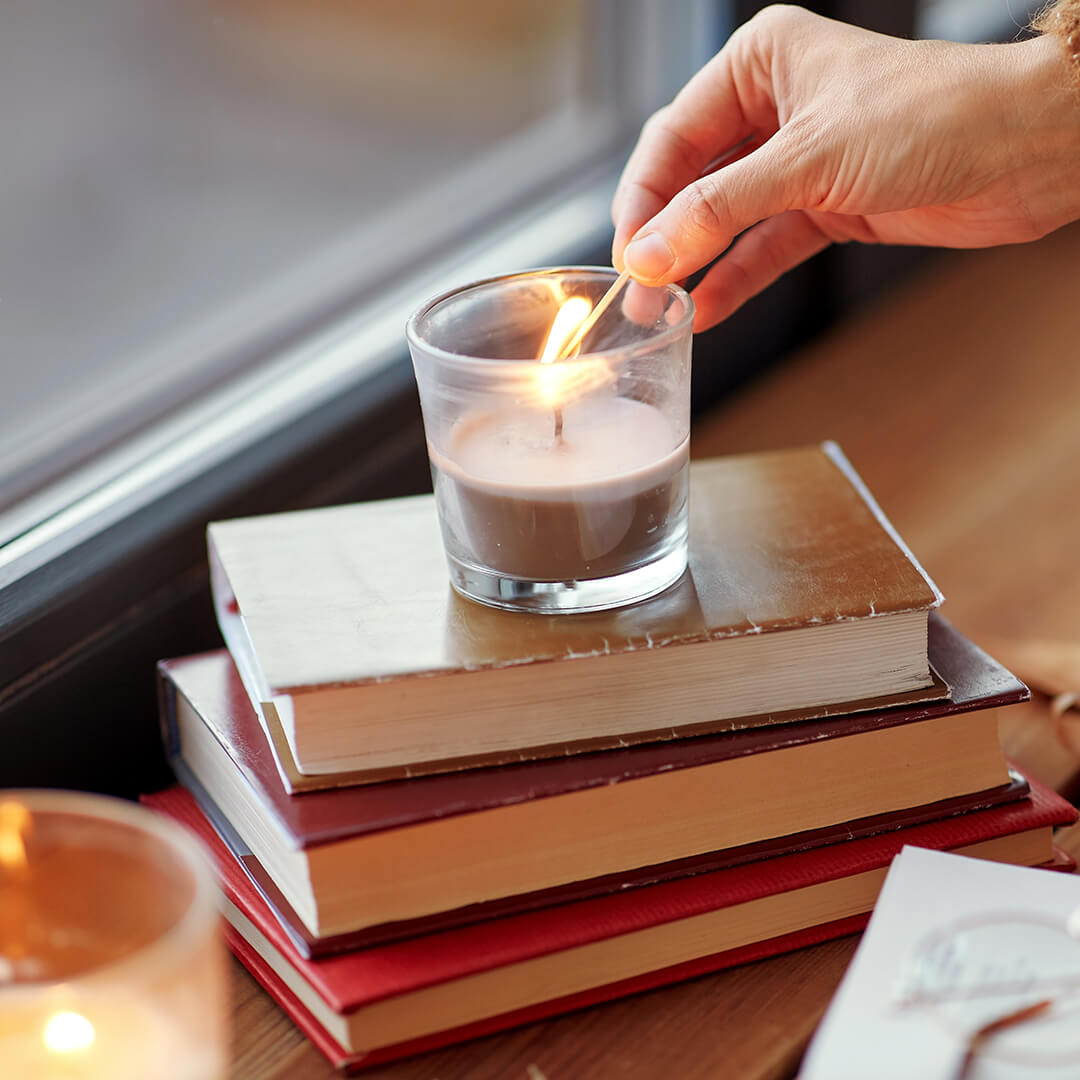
955	943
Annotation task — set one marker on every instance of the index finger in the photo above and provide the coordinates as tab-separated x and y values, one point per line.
678	143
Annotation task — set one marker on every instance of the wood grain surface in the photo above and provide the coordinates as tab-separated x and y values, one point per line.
958	401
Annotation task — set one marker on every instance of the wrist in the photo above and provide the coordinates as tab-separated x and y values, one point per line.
1043	87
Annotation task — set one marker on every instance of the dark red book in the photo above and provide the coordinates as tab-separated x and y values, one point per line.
312	947
561	829
375	1004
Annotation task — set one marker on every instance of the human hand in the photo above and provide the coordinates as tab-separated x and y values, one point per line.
843	134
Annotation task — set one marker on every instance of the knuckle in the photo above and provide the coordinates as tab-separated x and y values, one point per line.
757	246
780	16
656	122
742	281
776	23
705	210
664	128
771	29
807	153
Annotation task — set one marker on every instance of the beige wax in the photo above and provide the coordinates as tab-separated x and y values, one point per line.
594	502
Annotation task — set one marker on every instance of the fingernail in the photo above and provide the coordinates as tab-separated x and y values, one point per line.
649	256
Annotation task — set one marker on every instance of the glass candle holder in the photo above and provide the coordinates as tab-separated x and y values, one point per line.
560	486
112	962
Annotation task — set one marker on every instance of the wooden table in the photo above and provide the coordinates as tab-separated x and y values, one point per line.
958	401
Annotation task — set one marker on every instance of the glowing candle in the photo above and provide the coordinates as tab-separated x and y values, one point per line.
568	320
561	484
111	963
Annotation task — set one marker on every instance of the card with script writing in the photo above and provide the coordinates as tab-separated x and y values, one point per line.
968	969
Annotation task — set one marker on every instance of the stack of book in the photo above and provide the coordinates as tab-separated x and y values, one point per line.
434	819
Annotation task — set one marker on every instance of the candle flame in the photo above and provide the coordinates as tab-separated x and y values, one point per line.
553	378
68	1033
571	314
15	823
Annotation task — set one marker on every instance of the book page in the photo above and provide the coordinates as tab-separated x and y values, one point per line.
955	944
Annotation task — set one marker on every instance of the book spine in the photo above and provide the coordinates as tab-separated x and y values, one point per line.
166	695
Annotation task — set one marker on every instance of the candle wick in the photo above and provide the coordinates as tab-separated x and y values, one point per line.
560	345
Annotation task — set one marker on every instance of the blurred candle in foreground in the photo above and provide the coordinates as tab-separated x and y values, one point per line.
111	959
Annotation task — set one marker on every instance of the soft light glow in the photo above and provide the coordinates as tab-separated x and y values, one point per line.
554	380
68	1033
14	825
568	318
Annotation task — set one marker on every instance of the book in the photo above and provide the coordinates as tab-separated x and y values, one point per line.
953	945
374	1004
311	946
800	601
394	854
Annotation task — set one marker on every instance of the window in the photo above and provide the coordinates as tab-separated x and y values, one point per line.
197	182
215	216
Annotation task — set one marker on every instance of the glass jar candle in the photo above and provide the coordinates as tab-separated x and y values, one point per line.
112	962
560	484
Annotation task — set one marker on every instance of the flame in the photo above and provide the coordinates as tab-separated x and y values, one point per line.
15	823
68	1033
555	381
571	314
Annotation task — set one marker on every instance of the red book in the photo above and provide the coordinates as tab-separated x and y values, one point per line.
387	1001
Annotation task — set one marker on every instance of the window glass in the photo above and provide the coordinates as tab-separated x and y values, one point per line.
188	182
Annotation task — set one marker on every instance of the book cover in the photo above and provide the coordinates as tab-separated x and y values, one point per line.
334	615
504	971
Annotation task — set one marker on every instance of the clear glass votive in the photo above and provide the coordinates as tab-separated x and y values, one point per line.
112	962
560	487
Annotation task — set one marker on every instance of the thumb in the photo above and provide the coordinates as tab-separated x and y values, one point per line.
703	219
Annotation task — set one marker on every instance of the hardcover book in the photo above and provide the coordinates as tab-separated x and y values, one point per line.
374	1004
365	861
800	601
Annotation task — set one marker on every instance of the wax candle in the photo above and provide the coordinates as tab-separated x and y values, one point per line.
557	417
111	962
595	501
